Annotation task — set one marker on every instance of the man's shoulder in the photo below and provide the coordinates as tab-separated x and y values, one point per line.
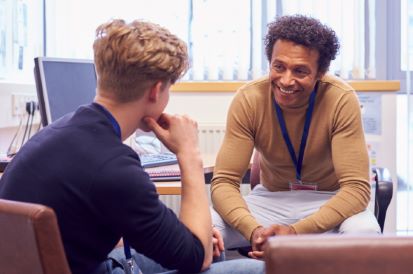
255	90
259	85
332	82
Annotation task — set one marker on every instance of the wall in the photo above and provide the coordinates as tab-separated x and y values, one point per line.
9	123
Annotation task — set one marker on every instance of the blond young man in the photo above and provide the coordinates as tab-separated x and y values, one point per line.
80	167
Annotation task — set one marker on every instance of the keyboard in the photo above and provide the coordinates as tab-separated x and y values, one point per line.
154	160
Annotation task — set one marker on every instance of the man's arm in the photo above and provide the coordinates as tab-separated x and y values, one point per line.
180	135
232	162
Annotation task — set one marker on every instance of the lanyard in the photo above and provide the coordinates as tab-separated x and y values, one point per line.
111	119
297	164
116	127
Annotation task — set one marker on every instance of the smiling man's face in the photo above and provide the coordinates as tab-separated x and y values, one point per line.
293	73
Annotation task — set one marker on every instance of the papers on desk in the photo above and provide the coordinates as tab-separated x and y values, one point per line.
164	173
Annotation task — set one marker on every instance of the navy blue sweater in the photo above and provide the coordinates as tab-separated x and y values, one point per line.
79	167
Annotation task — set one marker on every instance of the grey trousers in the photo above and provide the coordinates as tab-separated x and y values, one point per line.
288	207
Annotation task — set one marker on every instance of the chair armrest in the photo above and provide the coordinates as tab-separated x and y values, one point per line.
343	254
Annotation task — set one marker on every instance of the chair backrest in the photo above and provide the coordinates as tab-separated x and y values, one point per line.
384	194
383	184
30	240
339	254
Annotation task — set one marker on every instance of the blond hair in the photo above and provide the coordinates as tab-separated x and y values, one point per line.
129	58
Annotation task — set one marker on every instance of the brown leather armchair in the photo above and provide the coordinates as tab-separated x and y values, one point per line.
332	254
30	240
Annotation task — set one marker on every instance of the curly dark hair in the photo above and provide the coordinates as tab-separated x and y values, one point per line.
305	31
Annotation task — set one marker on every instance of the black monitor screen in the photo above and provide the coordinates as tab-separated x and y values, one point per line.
63	85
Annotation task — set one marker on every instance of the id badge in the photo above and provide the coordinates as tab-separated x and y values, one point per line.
299	185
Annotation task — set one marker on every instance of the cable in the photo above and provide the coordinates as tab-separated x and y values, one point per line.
9	153
25	131
31	109
30	126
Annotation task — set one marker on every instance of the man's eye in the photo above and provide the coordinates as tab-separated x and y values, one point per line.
301	72
278	67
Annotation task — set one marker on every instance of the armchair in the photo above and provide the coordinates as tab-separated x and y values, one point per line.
30	240
326	254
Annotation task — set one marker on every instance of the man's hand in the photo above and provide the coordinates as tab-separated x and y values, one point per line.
260	236
178	133
217	242
254	237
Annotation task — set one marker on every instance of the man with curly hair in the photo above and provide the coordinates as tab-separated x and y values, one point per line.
306	126
80	167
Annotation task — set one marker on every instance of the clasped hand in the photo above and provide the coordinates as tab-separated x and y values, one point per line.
260	236
217	242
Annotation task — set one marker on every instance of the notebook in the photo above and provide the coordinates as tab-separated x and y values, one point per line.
164	173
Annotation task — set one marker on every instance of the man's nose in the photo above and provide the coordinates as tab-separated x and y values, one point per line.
287	79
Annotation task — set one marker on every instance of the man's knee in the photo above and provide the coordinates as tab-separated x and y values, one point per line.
363	222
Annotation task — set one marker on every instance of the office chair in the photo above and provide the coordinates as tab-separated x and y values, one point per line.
383	192
30	240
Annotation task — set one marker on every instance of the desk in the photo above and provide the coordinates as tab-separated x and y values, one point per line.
174	187
168	188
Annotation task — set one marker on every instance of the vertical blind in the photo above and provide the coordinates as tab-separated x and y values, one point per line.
225	43
225	38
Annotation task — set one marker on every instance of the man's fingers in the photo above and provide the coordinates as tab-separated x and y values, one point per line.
151	123
216	252
259	255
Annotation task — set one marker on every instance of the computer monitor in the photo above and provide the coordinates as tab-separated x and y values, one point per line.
63	85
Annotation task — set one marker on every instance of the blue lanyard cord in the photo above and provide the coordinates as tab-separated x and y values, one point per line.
128	256
297	164
126	248
111	119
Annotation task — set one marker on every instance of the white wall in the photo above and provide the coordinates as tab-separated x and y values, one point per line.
209	108
8	123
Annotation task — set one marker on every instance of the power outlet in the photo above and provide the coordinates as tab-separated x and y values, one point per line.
19	102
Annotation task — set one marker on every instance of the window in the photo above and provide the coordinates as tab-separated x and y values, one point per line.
396	62
21	38
223	44
405	121
348	18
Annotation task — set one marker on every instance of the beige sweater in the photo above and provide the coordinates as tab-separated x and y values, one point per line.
335	156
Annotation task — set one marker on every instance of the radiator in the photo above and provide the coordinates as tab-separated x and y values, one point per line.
210	140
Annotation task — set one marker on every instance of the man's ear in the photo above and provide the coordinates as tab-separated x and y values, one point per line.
154	91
